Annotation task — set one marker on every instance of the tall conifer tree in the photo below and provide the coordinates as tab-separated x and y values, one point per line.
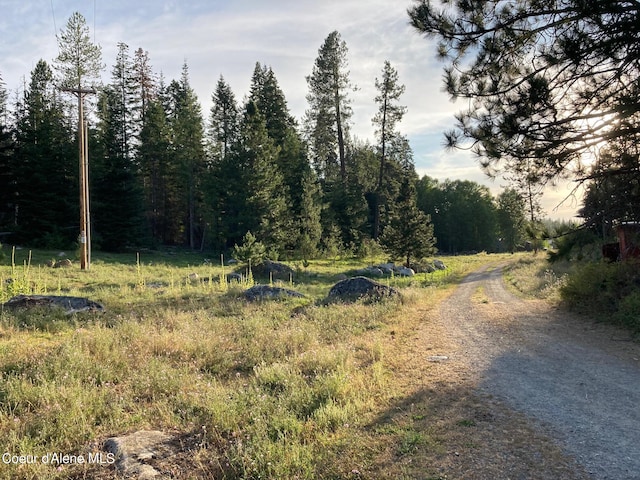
223	120
386	118
187	134
329	108
117	205
7	179
45	166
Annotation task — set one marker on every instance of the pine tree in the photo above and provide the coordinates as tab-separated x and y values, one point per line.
409	234
386	118
511	218
7	177
188	155
292	160
265	201
154	157
117	205
45	166
79	59
223	120
145	84
309	216
329	109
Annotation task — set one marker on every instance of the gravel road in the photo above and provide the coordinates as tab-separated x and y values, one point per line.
578	381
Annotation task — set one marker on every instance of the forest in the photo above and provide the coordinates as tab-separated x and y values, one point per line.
165	173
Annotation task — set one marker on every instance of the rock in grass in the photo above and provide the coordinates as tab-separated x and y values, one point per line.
361	287
68	304
264	292
135	451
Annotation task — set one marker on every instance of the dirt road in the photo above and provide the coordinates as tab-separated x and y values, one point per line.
577	382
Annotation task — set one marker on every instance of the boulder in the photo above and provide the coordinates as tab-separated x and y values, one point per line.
273	269
371	272
387	268
234	277
134	452
405	272
65	263
68	304
265	292
439	264
278	268
361	287
429	268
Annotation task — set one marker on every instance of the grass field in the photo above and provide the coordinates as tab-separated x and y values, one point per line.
277	389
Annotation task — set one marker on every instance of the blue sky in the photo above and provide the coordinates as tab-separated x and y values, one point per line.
227	38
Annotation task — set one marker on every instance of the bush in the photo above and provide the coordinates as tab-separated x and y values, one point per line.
251	251
628	313
609	290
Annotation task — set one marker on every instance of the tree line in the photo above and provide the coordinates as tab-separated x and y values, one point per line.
162	172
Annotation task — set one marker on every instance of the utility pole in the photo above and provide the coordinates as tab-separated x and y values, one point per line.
83	152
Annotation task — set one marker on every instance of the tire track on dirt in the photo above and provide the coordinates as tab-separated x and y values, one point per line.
580	382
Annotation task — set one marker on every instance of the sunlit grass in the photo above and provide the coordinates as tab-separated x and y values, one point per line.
282	389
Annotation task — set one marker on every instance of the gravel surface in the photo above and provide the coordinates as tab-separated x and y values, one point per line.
578	381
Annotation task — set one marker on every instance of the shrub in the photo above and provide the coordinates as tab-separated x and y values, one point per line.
601	288
251	251
628	313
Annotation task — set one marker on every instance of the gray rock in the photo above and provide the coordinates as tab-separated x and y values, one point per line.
429	268
361	287
371	272
277	268
133	450
234	277
68	304
65	263
387	268
265	292
439	264
405	272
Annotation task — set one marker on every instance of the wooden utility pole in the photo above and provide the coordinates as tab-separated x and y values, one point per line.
83	153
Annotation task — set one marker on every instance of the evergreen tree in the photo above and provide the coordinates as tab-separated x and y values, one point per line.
309	216
409	233
145	85
292	160
45	166
7	179
265	201
117	206
223	120
612	191
464	215
329	109
386	118
79	59
546	82
184	186
154	158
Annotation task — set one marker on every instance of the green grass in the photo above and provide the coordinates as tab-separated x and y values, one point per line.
278	389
